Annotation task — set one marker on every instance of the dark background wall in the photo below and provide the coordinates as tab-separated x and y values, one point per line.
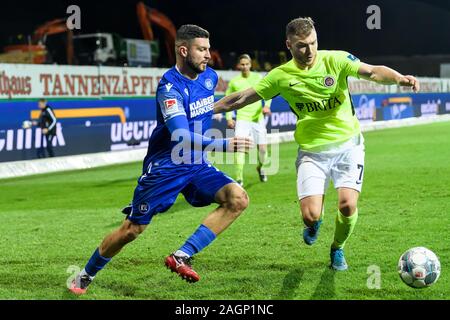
408	27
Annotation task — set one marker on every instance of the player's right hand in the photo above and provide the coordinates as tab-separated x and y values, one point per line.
240	144
410	81
231	124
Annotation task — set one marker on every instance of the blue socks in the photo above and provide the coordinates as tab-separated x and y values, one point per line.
96	263
202	237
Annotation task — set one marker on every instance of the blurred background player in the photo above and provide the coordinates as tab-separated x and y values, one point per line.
47	122
331	146
249	120
185	97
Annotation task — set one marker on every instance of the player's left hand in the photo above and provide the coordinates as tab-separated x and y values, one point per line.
266	111
410	81
45	131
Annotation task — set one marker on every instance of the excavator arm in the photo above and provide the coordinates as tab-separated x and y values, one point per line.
50	27
148	16
54	27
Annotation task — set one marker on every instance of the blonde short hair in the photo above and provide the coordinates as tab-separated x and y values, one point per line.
301	27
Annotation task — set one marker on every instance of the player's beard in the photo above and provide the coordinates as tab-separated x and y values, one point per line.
195	67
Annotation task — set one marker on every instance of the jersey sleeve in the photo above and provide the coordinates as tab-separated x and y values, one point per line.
267	87
216	79
230	88
170	102
348	63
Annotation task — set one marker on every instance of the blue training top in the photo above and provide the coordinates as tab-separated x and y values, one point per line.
177	96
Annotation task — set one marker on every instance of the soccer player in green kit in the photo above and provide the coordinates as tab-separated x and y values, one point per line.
331	146
250	120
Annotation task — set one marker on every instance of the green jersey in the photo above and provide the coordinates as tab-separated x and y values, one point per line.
319	97
251	112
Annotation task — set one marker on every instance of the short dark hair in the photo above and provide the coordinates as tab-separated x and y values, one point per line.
300	27
244	56
43	100
189	32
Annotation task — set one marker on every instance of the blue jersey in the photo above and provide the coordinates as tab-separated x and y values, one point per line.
178	95
163	178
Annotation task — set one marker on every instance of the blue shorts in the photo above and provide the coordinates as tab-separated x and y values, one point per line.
157	191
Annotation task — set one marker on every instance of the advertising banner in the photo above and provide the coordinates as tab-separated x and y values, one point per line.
112	108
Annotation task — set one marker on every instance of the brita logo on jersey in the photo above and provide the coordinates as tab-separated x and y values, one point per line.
201	106
324	105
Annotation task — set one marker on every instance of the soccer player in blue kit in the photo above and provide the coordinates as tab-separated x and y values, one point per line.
185	102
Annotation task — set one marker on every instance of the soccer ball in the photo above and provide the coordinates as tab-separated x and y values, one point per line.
419	267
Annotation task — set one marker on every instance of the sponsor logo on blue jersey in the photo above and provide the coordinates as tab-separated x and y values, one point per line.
201	106
180	96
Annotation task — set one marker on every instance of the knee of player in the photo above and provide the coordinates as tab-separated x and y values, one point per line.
310	213
347	207
238	202
132	232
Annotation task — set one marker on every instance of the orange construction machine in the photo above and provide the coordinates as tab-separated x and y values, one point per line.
148	16
99	48
35	50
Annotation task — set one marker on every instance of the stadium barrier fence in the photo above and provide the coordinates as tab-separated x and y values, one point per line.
102	109
87	161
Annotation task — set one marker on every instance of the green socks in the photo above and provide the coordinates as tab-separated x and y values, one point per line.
239	166
344	228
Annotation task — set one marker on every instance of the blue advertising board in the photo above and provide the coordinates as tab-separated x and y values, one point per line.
114	108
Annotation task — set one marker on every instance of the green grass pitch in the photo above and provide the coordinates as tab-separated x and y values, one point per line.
52	222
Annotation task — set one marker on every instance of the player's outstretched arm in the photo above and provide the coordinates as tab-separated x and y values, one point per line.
179	129
236	100
385	75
